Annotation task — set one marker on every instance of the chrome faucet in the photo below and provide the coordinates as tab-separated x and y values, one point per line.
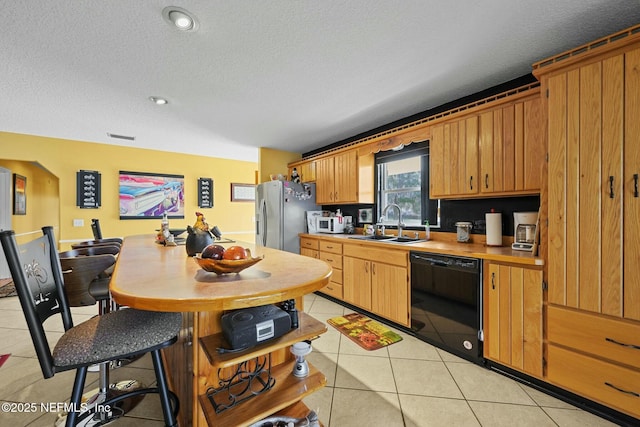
400	224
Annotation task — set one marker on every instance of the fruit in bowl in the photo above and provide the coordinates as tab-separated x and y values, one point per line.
235	252
213	251
227	265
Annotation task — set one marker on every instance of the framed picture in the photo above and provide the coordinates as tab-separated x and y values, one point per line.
19	194
243	192
151	195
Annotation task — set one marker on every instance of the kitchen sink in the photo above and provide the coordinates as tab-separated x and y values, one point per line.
389	239
374	237
407	240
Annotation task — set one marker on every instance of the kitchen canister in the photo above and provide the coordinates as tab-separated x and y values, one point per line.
494	228
463	231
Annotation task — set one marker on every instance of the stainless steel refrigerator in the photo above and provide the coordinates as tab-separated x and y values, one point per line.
280	213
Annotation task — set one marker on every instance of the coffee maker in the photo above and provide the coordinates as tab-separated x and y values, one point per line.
524	230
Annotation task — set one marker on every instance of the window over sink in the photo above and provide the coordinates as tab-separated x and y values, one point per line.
402	177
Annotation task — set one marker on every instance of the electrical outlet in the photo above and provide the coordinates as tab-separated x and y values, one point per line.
78	222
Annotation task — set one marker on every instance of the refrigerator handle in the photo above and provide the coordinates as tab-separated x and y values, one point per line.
263	214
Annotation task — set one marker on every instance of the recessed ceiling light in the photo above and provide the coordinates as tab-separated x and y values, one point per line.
158	100
180	18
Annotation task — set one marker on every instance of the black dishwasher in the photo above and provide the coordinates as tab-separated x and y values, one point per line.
446	303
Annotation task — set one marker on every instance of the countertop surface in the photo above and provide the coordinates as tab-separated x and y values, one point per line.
150	276
474	250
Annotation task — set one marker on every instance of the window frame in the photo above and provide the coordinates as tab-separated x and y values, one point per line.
429	208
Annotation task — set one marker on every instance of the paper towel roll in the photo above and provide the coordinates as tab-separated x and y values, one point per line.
494	229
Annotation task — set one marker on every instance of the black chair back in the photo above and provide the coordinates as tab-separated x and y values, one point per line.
95	227
84	278
37	275
91	250
111	241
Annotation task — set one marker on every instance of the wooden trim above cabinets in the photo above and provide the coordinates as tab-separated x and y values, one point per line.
403	139
420	130
612	44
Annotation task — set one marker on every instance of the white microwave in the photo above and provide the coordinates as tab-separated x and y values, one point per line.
334	224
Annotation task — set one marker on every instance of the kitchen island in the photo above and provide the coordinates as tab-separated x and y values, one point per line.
149	276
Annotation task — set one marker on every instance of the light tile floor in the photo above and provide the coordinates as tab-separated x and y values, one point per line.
408	384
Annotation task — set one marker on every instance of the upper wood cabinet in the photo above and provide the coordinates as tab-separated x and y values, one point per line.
345	177
453	152
512	148
306	170
594	162
495	152
325	191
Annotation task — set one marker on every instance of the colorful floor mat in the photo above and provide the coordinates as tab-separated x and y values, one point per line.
365	332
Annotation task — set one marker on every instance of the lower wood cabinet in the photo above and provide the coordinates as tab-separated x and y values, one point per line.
595	356
513	317
331	252
379	287
390	292
375	279
356	286
313	253
611	384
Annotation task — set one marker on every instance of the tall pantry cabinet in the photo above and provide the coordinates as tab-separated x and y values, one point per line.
593	314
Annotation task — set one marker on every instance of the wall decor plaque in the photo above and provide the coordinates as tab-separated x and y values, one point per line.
243	192
205	192
88	189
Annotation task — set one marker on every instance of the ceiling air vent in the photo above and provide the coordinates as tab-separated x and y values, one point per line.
125	137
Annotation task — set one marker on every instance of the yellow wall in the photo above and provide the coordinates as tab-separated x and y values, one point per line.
63	158
43	204
274	162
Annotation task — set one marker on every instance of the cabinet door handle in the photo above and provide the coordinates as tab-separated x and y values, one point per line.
635	185
611	187
471	182
635	347
336	197
632	393
366	267
493	280
373	268
486	181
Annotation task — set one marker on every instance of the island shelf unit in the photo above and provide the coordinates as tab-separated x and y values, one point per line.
287	390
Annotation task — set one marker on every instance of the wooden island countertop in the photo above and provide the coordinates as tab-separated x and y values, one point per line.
149	276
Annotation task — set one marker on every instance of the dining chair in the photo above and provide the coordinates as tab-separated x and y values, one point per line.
36	271
86	278
98	289
112	241
95	228
86	273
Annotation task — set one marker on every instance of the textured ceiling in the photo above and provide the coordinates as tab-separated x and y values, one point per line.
287	74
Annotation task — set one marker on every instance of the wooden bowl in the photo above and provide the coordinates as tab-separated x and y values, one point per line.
227	266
